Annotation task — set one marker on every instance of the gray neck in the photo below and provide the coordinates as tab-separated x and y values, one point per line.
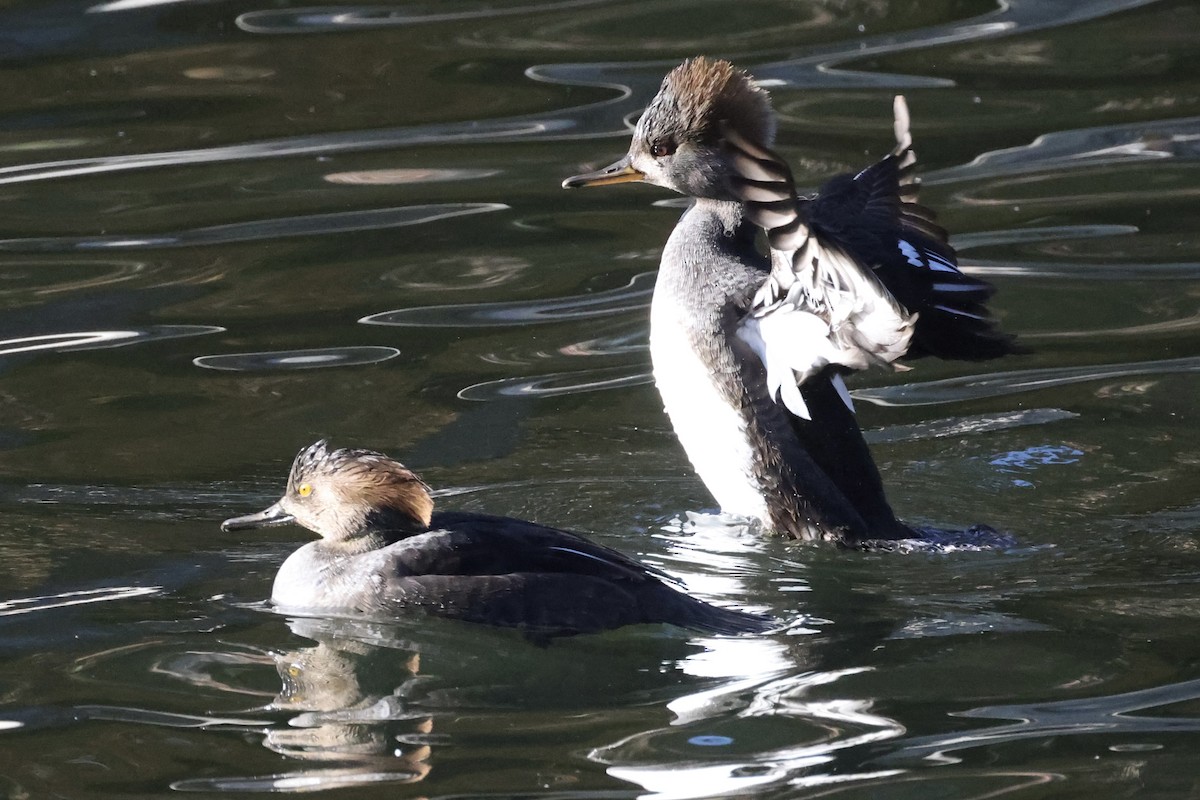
362	542
710	261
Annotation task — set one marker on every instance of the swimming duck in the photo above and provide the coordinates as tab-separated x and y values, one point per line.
384	551
749	358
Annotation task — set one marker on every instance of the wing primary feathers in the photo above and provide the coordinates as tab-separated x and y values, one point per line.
875	218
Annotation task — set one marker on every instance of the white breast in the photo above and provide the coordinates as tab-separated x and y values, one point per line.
711	430
298	584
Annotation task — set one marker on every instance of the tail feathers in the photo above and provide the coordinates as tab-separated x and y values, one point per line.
707	618
949	334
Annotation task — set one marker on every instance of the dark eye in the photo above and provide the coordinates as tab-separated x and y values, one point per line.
662	148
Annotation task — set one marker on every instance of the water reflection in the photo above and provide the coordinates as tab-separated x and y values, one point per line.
347	714
678	762
360	709
842	739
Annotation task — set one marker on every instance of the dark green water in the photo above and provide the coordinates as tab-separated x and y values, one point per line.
191	192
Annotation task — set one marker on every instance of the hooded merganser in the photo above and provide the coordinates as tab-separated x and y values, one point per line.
863	275
384	550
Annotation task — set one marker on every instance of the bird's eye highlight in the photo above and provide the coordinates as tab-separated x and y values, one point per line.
662	148
304	489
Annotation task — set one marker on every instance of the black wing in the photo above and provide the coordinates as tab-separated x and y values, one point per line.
875	217
508	572
482	544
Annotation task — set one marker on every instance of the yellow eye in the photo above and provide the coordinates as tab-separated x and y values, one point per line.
304	489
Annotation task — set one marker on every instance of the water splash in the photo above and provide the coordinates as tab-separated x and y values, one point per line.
1031	458
967	426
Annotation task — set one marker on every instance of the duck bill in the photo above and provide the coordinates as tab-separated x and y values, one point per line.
620	172
267	518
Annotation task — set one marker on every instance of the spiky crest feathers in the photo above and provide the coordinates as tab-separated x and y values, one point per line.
364	478
701	93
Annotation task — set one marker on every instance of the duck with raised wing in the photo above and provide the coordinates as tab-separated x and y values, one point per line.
862	275
384	551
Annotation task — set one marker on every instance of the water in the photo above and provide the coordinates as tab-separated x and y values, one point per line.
229	230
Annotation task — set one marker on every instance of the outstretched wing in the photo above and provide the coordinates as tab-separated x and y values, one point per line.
875	218
819	305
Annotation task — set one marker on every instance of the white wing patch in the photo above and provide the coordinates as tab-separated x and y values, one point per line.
941	265
820	307
910	253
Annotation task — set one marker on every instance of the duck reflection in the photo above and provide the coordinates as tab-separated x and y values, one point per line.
360	709
348	711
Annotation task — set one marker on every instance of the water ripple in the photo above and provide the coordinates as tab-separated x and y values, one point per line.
556	384
633	296
1050	233
310	225
977	387
675	770
406	177
298	359
822	66
1170	326
38	278
633	82
98	340
317	19
29	605
1153	140
1107	715
968	426
1124	271
168	719
310	780
313	145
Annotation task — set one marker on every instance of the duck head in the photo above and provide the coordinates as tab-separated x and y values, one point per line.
677	142
345	493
